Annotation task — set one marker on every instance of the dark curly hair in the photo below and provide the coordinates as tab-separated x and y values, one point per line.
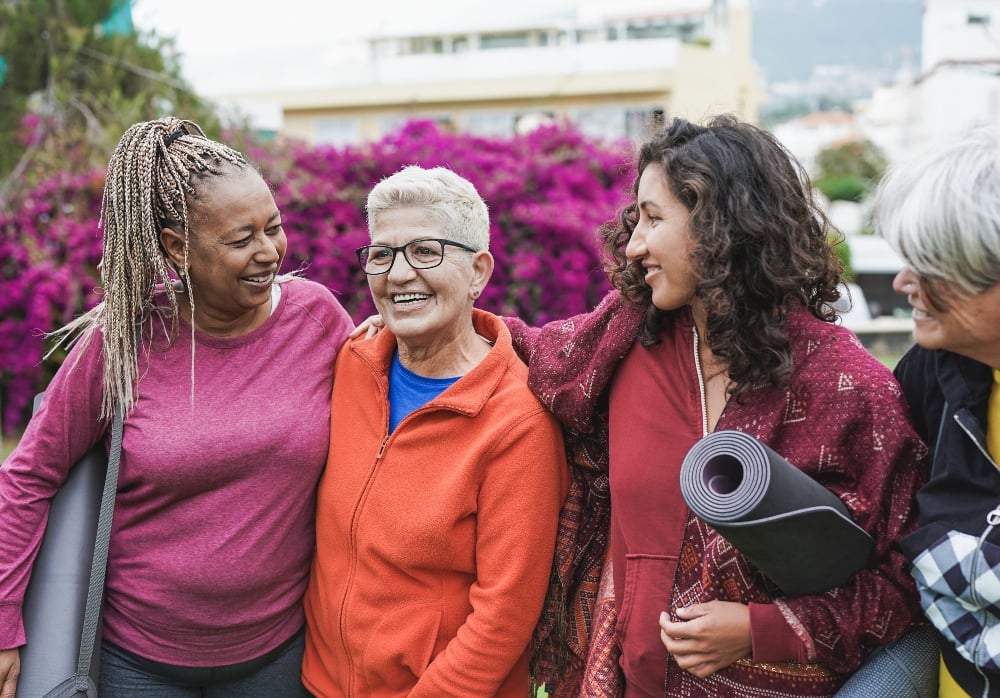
762	245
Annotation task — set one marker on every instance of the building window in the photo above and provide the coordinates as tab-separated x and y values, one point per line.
640	124
338	131
601	122
390	124
490	123
529	121
513	40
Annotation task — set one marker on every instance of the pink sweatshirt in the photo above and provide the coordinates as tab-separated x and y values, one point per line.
213	530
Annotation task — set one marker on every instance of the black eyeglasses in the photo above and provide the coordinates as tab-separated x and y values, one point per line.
420	254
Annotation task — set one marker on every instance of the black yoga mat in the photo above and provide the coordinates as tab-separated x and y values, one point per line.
797	532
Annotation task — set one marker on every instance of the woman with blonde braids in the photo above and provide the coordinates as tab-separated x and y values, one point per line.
223	370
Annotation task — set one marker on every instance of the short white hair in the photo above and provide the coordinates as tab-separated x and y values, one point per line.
941	210
448	197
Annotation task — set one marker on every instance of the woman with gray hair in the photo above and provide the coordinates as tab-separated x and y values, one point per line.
437	515
941	212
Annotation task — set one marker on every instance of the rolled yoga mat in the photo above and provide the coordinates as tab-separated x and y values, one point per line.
54	604
794	530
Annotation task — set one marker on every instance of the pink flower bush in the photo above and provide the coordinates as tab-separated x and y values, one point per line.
548	193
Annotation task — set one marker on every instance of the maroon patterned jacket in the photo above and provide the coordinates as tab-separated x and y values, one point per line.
841	419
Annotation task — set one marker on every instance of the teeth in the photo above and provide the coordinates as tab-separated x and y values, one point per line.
409	297
920	314
258	279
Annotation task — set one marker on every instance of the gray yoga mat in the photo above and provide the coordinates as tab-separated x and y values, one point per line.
54	605
797	532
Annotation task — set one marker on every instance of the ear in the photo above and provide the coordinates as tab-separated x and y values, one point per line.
482	270
172	243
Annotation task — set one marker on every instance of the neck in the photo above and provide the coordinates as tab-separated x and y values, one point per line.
444	359
712	366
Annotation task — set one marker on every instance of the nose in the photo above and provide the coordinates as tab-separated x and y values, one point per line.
906	281
636	247
400	267
269	251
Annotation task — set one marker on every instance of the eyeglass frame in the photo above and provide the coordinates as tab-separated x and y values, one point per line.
402	248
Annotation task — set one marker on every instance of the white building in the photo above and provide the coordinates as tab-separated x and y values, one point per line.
614	68
956	85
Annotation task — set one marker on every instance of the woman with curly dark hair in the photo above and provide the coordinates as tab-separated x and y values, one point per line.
724	272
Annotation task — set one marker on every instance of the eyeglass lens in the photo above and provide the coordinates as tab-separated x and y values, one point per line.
421	254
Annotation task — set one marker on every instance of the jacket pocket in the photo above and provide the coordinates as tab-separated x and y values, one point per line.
648	581
401	647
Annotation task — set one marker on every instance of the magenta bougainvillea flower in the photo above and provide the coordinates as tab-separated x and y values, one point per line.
548	193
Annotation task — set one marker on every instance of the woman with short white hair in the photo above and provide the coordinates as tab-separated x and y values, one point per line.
941	212
437	515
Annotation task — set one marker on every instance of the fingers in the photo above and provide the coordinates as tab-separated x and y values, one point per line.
369	327
709	636
10	668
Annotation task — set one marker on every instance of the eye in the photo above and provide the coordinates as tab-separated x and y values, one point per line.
379	254
242	242
273	230
425	251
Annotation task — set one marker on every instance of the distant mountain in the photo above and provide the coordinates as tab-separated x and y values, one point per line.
790	37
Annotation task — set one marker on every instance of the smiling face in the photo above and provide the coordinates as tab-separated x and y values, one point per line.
426	307
235	250
967	324
663	242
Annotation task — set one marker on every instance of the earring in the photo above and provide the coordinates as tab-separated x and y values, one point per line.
475	293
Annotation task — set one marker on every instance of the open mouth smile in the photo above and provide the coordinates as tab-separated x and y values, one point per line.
408	298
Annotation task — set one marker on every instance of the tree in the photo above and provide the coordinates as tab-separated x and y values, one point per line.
77	75
849	171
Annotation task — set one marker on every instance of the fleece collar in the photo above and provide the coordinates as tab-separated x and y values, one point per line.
468	394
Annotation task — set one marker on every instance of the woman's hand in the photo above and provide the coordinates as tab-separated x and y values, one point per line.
710	636
10	668
369	327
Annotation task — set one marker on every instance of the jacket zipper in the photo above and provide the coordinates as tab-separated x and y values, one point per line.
992	519
701	384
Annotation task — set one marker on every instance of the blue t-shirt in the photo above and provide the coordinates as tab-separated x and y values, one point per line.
408	391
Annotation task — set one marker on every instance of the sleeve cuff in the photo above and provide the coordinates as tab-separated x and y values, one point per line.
11	626
772	637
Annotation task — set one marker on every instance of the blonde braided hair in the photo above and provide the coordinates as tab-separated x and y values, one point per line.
151	178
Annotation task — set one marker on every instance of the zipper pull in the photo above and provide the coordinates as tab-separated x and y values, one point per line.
993	518
381	450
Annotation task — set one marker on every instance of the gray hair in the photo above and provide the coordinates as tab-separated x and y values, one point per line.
449	198
154	171
941	210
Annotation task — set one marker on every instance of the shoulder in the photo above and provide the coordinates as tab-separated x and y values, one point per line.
830	356
510	396
916	364
317	301
303	290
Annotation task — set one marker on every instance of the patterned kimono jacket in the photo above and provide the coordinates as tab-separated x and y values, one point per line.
840	418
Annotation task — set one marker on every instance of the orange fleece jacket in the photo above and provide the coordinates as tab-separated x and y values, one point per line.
434	542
